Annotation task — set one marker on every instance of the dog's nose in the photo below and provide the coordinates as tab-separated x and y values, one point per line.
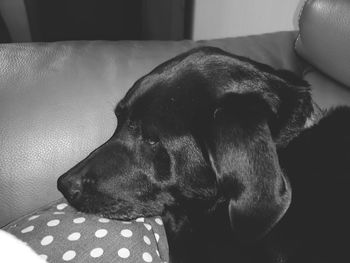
71	187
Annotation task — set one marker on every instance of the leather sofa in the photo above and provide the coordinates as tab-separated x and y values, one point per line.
57	99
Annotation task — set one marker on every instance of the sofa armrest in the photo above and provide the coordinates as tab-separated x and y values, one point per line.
324	37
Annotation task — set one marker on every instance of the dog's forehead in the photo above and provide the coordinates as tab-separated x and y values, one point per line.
189	76
182	87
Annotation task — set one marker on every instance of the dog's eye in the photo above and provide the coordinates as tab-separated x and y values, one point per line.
150	136
151	141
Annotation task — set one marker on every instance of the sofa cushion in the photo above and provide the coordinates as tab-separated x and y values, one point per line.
324	37
59	233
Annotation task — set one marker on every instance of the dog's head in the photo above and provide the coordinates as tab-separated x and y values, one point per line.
199	129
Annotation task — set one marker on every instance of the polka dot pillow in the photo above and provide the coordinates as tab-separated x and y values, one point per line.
58	233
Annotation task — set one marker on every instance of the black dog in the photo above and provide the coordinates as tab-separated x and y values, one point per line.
201	141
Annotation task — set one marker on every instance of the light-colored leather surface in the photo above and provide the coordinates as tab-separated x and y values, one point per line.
57	102
324	39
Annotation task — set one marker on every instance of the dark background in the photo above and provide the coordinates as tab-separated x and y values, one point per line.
56	20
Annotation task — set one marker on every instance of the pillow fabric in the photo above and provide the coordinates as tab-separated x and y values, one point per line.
59	233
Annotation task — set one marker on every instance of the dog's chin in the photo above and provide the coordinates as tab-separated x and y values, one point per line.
116	211
121	217
110	213
125	214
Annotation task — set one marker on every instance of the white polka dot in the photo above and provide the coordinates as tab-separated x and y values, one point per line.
147	240
147	257
126	233
123	252
101	233
54	222
103	220
157	236
74	236
69	255
96	252
58	213
46	240
148	226
159	221
61	206
126	222
33	217
157	253
44	257
79	220
27	229
140	219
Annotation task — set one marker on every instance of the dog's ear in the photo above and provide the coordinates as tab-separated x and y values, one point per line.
289	98
244	129
243	155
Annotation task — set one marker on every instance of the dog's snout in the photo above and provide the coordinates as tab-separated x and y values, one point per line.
71	186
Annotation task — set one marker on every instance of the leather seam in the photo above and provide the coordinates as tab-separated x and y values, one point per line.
301	11
295	42
299	16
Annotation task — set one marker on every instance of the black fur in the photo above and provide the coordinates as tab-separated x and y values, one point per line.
213	142
316	227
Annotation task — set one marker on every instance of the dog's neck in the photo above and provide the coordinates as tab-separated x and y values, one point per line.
191	230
